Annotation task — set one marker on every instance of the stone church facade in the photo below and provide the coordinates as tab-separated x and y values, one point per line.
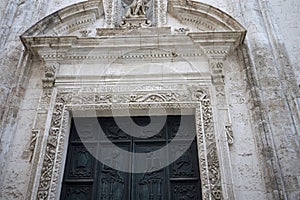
231	65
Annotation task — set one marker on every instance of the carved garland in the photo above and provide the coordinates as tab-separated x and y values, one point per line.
191	98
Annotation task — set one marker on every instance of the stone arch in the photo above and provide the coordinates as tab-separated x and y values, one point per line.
205	17
81	15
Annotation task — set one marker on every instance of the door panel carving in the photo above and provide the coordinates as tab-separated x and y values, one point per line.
87	178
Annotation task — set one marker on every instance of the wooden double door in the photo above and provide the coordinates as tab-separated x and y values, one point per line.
85	177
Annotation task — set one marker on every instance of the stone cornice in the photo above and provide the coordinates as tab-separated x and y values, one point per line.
57	48
203	16
217	45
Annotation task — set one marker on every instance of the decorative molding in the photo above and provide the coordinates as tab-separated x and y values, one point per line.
73	25
217	66
162	11
109	8
48	85
197	21
220	94
129	56
218	79
67	20
33	141
229	133
214	19
134	23
192	97
217	45
50	154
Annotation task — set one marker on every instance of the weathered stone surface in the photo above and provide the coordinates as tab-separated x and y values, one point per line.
254	88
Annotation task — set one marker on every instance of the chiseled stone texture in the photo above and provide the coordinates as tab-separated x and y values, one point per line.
246	169
17	169
286	17
19	82
55	5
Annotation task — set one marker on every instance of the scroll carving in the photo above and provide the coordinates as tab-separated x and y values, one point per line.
33	140
212	157
229	134
48	163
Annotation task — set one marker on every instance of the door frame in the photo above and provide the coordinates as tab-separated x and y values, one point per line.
194	99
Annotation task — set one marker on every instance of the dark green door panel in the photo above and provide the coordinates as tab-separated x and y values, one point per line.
85	178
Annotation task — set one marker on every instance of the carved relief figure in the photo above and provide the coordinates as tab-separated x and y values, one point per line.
151	182
183	165
82	164
135	14
136	9
112	181
182	192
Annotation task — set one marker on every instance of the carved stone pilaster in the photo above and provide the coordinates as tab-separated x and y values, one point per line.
220	94
40	126
48	83
109	9
160	12
216	67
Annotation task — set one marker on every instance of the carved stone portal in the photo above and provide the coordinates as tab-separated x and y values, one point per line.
192	97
